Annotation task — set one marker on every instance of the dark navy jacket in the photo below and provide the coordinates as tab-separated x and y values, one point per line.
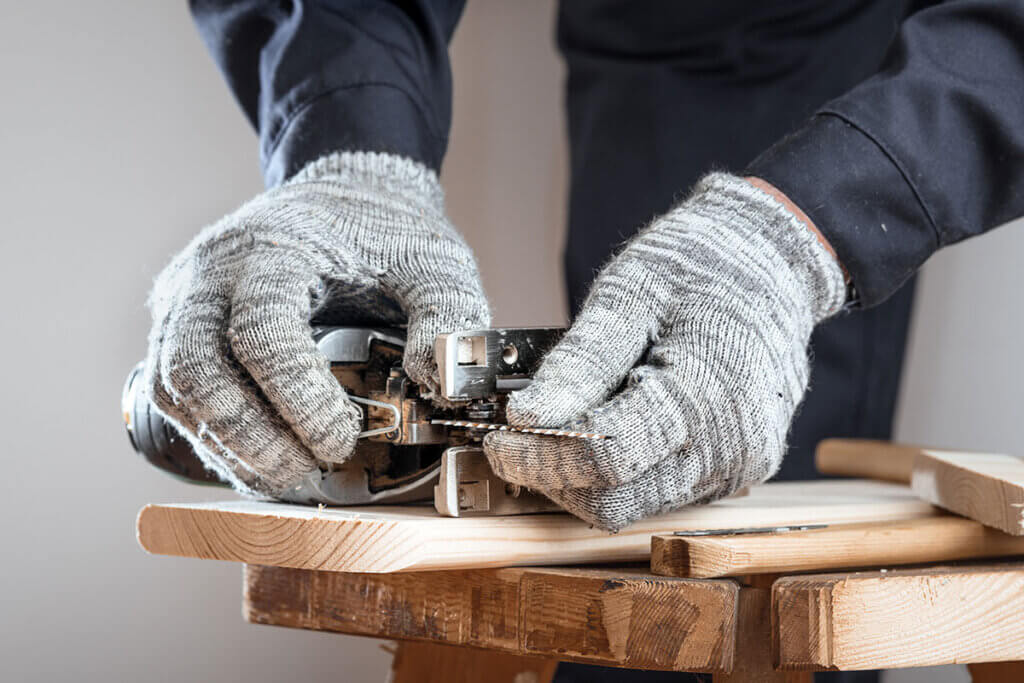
927	152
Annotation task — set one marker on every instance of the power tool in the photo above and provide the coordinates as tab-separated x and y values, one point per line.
410	450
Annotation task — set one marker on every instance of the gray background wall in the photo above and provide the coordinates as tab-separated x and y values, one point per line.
118	142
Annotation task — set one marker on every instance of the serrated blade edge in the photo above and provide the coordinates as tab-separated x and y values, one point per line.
493	427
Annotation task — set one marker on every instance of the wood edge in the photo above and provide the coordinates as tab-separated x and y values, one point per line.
606	582
142	537
689	558
668	558
157	531
922	478
926	485
534	581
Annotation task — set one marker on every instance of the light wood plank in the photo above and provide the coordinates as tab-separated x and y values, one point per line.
404	538
600	616
900	618
918	541
984	487
866	458
430	663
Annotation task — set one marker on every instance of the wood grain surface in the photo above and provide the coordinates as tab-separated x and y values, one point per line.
899	618
986	487
605	616
917	541
390	539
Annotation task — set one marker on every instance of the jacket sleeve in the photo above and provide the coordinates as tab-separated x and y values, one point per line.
319	77
926	153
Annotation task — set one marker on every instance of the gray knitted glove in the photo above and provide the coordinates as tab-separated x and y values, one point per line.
354	238
691	350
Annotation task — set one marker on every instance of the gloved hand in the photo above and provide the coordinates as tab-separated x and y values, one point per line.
690	350
354	238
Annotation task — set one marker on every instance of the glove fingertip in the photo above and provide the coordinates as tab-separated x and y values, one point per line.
544	404
505	452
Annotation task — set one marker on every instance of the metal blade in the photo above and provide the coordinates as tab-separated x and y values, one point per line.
492	427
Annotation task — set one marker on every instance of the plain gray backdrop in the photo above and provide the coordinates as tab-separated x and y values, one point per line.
119	141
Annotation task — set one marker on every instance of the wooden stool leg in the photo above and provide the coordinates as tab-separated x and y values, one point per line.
753	658
417	662
996	672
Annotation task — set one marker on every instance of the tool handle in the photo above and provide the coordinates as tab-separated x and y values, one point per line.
867	459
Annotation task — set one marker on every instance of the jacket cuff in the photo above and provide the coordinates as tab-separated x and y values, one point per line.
860	200
360	118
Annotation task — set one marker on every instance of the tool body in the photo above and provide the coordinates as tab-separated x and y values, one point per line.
410	449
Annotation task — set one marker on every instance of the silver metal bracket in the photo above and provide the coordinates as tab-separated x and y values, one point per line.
479	363
467	485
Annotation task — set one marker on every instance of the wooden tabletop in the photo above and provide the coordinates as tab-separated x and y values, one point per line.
406	538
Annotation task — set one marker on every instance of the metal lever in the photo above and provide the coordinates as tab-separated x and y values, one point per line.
380	404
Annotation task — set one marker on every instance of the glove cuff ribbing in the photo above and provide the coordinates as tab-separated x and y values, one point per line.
377	172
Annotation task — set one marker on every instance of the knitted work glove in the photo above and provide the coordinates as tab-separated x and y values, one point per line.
690	350
354	238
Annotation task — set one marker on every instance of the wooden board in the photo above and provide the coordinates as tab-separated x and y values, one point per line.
917	541
899	618
601	616
987	488
866	458
390	539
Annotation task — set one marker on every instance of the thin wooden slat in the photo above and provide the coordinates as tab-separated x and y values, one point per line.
986	487
866	458
899	618
918	541
603	616
389	539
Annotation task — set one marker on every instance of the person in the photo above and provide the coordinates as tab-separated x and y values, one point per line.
832	146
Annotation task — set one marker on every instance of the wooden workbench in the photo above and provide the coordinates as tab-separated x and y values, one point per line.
514	623
756	629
